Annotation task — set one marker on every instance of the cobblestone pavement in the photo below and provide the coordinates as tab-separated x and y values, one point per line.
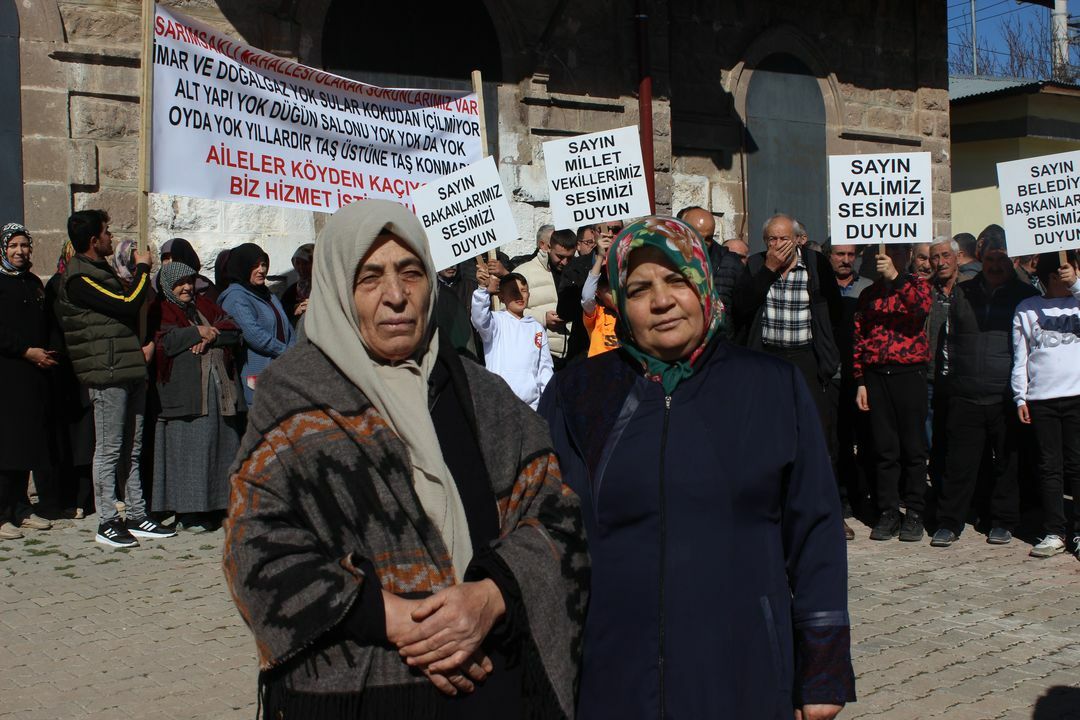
965	633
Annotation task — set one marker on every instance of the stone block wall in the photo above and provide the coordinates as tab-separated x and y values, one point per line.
81	118
882	67
530	113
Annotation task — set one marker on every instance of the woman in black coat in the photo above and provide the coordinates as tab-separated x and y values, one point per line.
71	474
25	360
719	570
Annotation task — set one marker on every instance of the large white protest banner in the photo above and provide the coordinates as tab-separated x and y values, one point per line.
465	214
232	122
1040	203
880	198
596	178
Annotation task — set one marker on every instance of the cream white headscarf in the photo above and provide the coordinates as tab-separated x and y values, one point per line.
399	391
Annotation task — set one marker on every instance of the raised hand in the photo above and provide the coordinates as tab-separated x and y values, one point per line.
886	267
1067	275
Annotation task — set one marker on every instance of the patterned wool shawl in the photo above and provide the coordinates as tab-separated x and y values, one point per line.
166	316
321	482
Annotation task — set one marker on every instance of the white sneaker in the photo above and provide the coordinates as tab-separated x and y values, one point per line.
1050	546
8	531
147	528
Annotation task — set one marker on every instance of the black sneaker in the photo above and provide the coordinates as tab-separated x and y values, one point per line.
912	529
147	528
944	537
888	526
114	534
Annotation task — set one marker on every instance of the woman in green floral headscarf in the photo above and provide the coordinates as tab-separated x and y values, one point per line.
719	577
661	238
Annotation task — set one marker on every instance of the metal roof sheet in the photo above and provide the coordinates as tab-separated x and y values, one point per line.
967	86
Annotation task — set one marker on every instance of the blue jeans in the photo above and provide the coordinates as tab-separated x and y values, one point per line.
118	425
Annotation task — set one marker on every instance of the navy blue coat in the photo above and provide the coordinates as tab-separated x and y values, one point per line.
719	566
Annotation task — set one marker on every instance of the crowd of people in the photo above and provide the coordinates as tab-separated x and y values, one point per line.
893	386
919	360
932	371
136	384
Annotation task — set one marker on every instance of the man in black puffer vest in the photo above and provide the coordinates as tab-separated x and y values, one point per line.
100	318
981	411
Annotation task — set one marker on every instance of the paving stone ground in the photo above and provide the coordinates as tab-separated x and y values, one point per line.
966	633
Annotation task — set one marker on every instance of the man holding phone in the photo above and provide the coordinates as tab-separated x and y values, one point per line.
100	319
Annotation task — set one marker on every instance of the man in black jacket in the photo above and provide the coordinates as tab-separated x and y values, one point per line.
789	307
846	429
727	267
981	413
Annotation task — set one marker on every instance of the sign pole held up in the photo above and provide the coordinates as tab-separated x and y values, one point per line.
146	129
478	88
146	121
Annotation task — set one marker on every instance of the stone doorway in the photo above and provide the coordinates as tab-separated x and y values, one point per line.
787	163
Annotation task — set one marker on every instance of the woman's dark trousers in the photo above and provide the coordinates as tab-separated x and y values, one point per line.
12	489
1057	434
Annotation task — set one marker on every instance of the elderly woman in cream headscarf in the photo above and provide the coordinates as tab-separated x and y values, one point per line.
400	541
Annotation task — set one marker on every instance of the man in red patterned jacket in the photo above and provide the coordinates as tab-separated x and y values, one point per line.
891	352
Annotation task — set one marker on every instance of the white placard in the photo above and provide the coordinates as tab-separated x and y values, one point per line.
880	198
596	178
1040	203
232	122
465	214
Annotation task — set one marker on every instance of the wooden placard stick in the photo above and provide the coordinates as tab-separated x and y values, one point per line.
1063	258
478	88
146	130
146	121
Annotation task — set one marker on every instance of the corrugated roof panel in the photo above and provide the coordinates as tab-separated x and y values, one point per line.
962	86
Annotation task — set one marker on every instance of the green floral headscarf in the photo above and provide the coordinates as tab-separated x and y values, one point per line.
686	250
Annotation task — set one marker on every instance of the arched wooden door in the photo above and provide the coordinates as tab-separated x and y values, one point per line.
786	167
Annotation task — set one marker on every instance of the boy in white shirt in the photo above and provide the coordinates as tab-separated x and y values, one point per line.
515	345
1046	387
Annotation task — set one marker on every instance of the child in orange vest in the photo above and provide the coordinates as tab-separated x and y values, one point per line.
597	305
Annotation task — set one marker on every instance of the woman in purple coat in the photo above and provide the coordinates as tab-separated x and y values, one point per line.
719	569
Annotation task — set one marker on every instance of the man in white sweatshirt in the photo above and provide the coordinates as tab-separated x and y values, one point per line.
515	344
1046	387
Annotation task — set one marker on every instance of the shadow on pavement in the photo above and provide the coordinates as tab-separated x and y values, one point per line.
1059	703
